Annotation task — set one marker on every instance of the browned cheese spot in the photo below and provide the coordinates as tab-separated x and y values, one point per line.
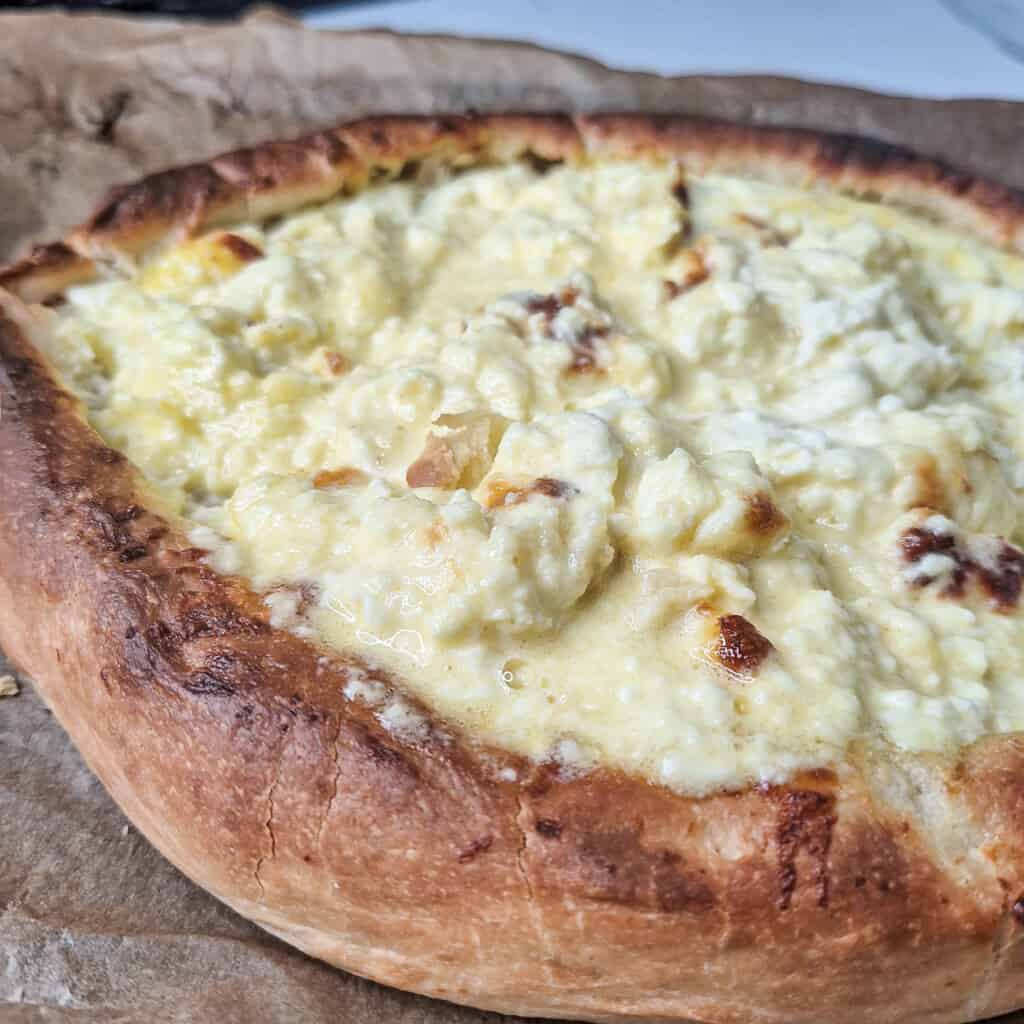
740	647
435	467
583	357
550	487
436	533
1002	581
694	269
460	455
548	305
342	477
241	248
681	194
918	542
503	493
767	233
1000	578
930	492
764	517
584	352
337	364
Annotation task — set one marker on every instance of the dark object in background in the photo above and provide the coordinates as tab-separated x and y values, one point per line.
178	8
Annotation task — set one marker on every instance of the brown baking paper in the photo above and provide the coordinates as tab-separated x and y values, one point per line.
94	925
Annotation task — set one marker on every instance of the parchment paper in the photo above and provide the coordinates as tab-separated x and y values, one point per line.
94	925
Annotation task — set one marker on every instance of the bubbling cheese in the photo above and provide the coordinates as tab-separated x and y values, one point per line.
703	493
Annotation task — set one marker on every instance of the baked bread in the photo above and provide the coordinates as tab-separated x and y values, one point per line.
567	567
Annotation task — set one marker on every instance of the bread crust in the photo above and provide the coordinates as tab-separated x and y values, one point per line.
46	272
880	889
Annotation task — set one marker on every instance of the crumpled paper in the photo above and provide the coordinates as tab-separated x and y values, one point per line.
94	925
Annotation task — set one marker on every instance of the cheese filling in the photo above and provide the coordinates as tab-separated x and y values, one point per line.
701	482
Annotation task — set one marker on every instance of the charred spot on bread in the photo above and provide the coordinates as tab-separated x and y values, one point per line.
803	836
540	165
205	684
475	848
386	754
108	456
548	828
616	865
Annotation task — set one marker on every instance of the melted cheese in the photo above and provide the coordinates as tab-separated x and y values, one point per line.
529	440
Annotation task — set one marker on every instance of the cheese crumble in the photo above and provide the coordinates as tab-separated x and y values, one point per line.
703	491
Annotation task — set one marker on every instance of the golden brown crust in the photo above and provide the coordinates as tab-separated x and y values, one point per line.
274	178
887	889
245	184
858	166
46	271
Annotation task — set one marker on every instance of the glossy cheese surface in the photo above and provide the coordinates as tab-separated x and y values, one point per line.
699	477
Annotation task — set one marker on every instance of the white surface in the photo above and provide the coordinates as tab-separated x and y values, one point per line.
915	47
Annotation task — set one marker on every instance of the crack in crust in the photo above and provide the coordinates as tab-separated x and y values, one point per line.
617	899
269	824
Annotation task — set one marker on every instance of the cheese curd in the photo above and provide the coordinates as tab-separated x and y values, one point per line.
703	492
